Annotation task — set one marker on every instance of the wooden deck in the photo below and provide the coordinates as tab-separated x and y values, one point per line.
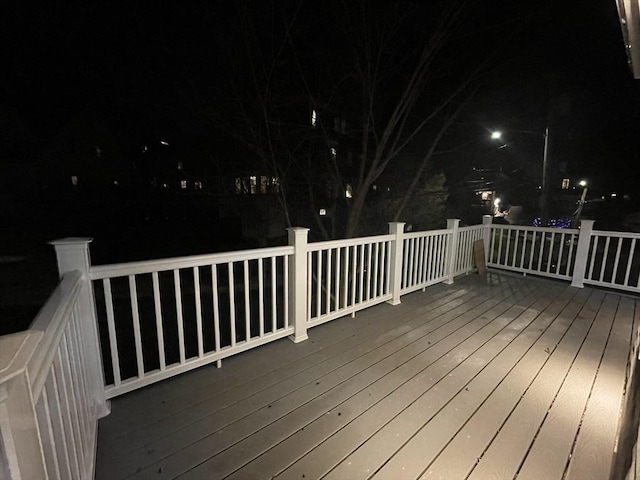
492	377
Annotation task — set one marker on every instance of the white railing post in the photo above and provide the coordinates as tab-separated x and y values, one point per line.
73	254
452	252
582	253
487	220
21	453
395	273
298	283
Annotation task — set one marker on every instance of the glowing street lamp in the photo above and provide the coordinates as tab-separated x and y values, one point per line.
496	135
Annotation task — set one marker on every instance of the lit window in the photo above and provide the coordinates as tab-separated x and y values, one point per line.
180	166
314	118
238	186
348	192
264	183
323	212
198	185
74	180
253	183
565	184
183	184
334	152
486	195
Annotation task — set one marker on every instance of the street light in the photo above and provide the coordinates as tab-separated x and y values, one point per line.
496	135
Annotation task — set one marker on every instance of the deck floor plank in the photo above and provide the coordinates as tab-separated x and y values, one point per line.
282	418
381	423
271	404
485	378
592	455
509	449
549	454
369	419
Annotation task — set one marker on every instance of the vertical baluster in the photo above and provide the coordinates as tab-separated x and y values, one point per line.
361	286
594	253
500	246
111	326
551	249
570	261
50	441
135	315
247	301
285	306
177	289
345	284
508	247
605	258
198	305
336	282
405	264
68	371
78	386
65	455
525	234
67	415
429	260
328	282
543	236
309	285
632	249
158	310
216	307
421	260
260	298
516	234
442	240
533	249
232	303
274	298
410	244
375	269
384	280
369	271
617	260
319	285
354	272
561	250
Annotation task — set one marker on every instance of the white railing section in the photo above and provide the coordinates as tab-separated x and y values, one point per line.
467	237
51	393
614	261
424	259
163	317
548	252
345	276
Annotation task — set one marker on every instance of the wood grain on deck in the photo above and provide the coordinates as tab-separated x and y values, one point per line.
487	378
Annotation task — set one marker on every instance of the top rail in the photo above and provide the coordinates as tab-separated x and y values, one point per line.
52	321
150	266
316	246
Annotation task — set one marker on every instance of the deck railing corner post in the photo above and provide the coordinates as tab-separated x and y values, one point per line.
298	277
582	253
395	273
73	254
453	224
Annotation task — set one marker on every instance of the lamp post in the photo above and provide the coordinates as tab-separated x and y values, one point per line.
497	135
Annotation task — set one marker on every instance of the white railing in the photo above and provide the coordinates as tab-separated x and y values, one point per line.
548	252
345	276
613	261
51	386
424	260
137	323
160	318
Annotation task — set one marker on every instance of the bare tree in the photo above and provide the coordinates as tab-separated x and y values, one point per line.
387	65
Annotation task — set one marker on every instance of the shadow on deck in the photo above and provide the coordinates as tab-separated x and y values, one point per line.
492	377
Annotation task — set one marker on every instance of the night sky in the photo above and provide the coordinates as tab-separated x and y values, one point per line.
137	67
